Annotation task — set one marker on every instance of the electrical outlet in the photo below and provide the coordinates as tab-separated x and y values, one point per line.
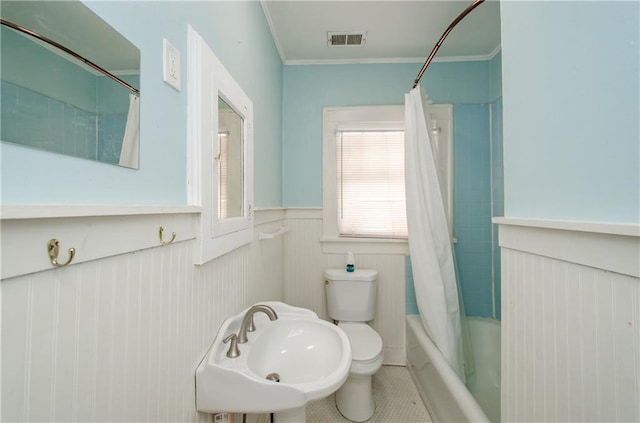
171	64
222	418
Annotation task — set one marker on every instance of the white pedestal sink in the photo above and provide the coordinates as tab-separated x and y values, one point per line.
311	358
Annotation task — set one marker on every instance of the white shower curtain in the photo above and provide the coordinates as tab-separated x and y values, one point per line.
131	139
429	240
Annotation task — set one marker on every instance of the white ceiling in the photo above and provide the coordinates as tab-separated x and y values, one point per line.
397	30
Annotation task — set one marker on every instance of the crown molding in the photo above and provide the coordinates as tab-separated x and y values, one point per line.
363	61
272	28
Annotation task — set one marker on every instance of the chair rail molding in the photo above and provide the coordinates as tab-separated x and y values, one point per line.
614	247
94	232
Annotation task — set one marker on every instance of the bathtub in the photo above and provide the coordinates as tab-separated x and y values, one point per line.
446	397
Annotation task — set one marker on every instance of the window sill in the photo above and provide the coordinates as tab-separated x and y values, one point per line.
335	245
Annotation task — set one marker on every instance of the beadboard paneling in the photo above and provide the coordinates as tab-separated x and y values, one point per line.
304	267
118	339
570	341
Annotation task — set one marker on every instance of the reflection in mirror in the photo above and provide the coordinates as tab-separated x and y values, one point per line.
230	162
54	101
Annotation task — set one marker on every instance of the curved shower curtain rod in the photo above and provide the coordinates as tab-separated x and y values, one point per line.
464	13
70	52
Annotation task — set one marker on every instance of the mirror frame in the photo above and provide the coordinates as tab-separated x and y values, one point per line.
208	79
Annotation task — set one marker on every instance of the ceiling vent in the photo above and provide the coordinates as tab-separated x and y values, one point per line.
346	39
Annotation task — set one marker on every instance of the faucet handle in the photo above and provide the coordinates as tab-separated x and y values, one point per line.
252	325
233	347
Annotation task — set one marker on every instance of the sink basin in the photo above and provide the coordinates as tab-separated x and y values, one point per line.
303	352
310	356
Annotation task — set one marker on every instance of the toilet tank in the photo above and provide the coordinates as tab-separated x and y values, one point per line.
351	296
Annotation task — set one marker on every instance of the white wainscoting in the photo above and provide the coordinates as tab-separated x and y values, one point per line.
304	277
119	338
570	321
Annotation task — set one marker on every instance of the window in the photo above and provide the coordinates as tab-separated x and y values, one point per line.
363	176
370	190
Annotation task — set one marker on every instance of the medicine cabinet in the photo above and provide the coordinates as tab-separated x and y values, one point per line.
220	122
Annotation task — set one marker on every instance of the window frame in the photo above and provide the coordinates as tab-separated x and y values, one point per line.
355	117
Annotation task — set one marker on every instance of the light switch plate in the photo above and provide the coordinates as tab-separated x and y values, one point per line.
171	64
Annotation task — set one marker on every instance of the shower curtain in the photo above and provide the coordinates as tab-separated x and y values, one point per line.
131	139
429	240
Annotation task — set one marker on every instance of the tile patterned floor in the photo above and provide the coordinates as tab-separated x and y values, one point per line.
396	397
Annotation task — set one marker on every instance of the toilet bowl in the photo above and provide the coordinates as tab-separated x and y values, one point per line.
354	398
351	301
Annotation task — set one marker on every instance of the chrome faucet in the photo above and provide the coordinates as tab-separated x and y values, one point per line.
247	324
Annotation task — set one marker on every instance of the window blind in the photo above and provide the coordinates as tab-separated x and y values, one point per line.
370	184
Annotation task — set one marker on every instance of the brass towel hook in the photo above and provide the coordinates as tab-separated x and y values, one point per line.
53	247
162	241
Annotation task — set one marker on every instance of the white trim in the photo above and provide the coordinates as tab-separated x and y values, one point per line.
389	60
95	232
272	235
272	28
611	228
495	51
303	213
41	211
335	245
24	240
394	356
476	58
334	118
365	61
343	117
612	247
268	215
194	99
208	80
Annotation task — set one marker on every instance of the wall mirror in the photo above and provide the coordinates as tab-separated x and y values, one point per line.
220	122
230	162
54	100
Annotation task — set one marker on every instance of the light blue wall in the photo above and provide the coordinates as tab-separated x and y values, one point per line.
472	206
495	77
239	35
307	89
497	196
468	85
571	94
497	175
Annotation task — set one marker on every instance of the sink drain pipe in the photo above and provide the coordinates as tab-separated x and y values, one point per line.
274	377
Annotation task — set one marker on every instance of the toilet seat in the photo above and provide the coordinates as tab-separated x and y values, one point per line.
366	347
366	343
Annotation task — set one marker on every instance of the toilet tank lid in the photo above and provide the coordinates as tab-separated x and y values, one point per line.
364	275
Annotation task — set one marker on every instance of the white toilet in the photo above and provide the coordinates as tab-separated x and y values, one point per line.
351	300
